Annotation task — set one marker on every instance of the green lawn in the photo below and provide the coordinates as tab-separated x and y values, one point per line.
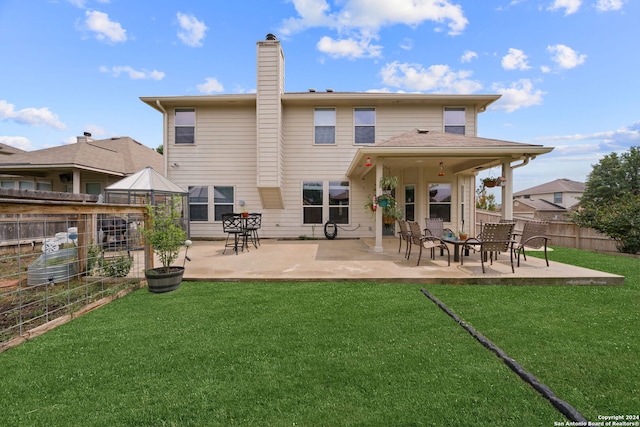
581	341
329	354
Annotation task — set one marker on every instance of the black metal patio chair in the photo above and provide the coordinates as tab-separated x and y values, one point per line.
494	238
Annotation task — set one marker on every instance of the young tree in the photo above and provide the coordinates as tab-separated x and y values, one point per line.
611	200
160	149
485	201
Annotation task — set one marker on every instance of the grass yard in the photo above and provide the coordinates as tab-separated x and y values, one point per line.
312	354
581	341
306	354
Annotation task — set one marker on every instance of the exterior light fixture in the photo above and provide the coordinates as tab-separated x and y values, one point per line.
368	162
441	172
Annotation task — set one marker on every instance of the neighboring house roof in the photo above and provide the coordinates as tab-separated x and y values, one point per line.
115	156
562	185
540	205
8	150
148	179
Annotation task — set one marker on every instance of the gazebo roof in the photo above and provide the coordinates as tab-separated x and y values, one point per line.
146	180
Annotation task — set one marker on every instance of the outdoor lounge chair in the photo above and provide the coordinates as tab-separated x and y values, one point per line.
533	237
427	242
494	238
404	235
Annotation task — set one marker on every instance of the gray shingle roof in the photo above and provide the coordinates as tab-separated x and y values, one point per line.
119	156
562	185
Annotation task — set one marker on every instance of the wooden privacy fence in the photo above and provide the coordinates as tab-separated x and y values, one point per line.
564	233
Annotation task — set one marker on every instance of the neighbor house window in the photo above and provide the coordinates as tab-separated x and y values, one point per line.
454	120
28	185
43	186
557	197
185	125
339	202
7	184
325	125
321	200
365	125
223	200
93	188
410	202
440	201
198	203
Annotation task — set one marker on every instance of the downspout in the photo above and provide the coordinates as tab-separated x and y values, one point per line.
165	120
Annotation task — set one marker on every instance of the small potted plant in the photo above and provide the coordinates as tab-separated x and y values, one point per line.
462	235
163	232
489	182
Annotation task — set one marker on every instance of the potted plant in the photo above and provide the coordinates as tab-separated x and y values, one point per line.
163	232
462	235
388	183
490	182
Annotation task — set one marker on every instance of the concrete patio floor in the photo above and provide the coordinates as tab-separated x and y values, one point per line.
356	260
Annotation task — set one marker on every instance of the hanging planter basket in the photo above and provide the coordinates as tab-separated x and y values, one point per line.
490	182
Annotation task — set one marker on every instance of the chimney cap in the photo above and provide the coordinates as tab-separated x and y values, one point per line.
271	37
312	90
87	134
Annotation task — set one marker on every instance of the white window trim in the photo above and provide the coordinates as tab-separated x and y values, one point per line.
375	125
195	126
335	126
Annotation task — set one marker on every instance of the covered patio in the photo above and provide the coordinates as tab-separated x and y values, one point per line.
425	160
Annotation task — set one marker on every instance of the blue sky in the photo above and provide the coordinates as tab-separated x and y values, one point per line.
567	69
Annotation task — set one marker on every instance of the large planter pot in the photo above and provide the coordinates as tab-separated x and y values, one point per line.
158	281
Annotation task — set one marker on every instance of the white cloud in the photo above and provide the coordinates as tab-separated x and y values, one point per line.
30	116
358	21
569	6
192	30
105	29
374	14
350	48
520	94
607	5
468	55
436	78
133	74
515	60
566	57
625	136
17	142
545	69
210	85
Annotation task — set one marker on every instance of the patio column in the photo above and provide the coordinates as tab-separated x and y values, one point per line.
507	191
378	222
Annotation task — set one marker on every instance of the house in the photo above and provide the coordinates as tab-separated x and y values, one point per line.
551	201
304	158
87	166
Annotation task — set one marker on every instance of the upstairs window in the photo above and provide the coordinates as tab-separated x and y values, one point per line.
557	197
325	125
365	125
185	125
454	120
